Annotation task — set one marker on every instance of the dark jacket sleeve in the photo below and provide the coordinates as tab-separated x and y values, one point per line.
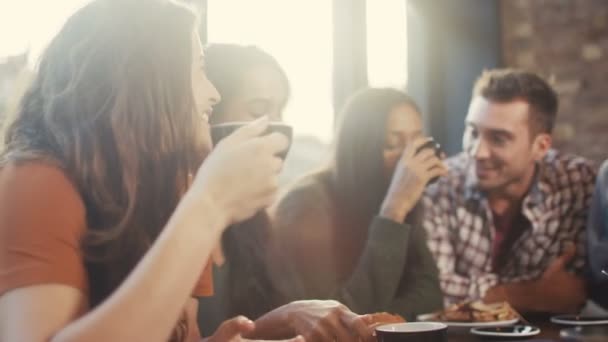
419	290
396	273
597	238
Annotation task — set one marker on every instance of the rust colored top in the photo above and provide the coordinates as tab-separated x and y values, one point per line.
42	220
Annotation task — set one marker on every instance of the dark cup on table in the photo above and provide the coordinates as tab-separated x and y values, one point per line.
220	131
412	332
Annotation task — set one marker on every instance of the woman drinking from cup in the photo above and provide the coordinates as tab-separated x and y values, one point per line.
107	216
252	85
351	231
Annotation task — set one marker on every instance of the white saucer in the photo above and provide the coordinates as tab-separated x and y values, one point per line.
515	331
580	320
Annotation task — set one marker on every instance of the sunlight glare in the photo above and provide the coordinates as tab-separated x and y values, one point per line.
299	35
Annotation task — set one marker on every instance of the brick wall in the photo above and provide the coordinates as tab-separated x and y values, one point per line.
567	42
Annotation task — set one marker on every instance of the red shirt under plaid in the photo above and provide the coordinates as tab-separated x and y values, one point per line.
461	232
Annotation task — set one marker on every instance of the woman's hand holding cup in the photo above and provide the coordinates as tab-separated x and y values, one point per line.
416	168
240	176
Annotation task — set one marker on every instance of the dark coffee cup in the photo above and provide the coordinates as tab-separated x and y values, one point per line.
220	131
432	144
412	332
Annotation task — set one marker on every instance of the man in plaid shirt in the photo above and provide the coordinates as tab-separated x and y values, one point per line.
508	221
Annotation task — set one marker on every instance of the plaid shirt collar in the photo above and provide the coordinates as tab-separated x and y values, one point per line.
535	198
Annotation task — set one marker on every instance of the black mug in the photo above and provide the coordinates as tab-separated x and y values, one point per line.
220	131
432	144
412	332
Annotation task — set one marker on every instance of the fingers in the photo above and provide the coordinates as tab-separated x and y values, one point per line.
265	201
217	256
268	187
269	145
330	327
436	164
276	164
348	326
425	155
267	150
255	205
432	167
319	334
253	129
436	171
274	142
569	251
567	255
560	262
412	148
233	328
335	330
336	327
360	326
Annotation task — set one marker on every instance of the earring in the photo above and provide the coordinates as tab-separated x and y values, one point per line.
190	178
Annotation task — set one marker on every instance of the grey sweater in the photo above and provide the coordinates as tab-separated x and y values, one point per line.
395	271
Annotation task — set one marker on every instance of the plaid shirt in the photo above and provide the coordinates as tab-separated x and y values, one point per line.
461	231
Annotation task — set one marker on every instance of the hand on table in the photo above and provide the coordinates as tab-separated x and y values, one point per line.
560	290
233	330
328	320
556	291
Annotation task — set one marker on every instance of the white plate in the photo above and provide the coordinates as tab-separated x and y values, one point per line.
579	320
430	318
515	331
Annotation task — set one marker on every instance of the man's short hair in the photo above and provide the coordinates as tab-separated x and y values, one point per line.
505	85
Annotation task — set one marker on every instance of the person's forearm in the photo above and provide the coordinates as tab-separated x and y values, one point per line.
423	296
146	306
412	304
394	210
523	297
420	291
373	284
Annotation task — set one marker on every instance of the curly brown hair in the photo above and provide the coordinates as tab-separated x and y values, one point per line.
112	105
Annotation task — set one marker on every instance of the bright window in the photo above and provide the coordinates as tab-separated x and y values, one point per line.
31	24
299	35
387	43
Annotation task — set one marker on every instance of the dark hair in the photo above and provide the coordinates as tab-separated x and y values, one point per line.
358	178
504	85
112	105
227	63
249	285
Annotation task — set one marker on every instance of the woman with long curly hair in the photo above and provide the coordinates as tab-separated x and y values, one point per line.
110	200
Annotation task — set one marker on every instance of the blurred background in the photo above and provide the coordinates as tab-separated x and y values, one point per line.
329	49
